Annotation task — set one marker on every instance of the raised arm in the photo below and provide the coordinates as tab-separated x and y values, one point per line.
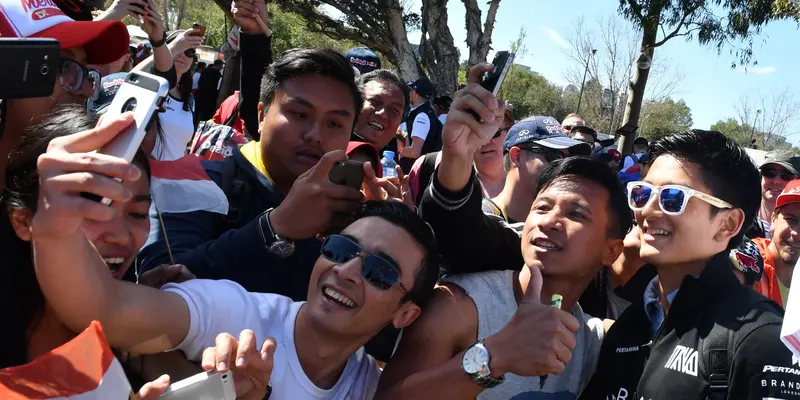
73	277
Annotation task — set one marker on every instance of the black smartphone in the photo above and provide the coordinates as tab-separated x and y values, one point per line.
140	8
493	80
347	173
30	67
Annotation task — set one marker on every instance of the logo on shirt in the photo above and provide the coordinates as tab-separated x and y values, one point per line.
627	349
683	359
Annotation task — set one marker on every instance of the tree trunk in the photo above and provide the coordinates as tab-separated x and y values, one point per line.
636	86
406	61
165	15
479	41
439	53
181	10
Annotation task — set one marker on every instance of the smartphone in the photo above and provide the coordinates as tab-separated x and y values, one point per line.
143	94
140	8
198	30
203	386
347	173
493	80
30	67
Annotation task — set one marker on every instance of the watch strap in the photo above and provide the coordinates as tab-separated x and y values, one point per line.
159	43
486	381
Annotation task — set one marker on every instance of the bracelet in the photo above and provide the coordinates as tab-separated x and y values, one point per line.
160	42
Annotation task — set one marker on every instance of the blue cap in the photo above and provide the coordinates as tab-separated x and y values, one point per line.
363	59
542	131
423	87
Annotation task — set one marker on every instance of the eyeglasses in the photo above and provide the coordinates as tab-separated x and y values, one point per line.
550	154
672	198
379	272
771	173
499	132
190	53
71	75
567	127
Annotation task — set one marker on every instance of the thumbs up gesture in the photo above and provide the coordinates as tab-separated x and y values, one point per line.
537	341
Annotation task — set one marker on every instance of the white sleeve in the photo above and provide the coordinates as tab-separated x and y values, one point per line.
594	331
218	307
443	118
422	125
628	163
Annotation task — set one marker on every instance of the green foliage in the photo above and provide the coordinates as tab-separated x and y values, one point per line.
748	136
662	118
291	31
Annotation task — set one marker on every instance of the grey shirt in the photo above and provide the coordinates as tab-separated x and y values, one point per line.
493	295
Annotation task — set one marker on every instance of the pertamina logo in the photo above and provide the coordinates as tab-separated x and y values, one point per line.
683	359
41	9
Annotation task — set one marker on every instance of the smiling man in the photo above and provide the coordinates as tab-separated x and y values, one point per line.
385	104
778	169
697	332
782	251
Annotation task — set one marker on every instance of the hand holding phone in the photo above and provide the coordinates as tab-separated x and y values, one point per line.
203	386
493	80
347	173
30	67
253	367
197	30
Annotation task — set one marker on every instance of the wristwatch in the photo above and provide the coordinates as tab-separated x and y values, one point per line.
277	245
158	43
476	364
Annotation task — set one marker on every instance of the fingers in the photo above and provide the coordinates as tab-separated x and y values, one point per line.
85	182
268	349
96	163
323	167
478	102
246	348
533	294
93	139
477	71
226	346
569	321
153	390
244	9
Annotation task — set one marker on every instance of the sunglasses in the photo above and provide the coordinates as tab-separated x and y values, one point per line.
550	154
190	53
499	132
771	173
567	127
672	198
379	272
71	76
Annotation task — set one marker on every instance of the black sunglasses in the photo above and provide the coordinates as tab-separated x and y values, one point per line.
499	132
550	155
770	173
190	53
379	272
72	74
567	127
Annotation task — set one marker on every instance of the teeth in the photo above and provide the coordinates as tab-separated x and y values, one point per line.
545	244
114	260
375	125
658	232
339	297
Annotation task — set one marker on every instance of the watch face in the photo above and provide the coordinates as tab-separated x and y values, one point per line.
474	360
282	249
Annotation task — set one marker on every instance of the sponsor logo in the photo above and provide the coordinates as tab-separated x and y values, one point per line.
359	61
683	359
627	349
622	394
781	387
41	9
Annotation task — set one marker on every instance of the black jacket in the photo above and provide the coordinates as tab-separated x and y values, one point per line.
678	361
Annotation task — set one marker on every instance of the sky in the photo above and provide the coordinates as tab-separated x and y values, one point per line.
710	88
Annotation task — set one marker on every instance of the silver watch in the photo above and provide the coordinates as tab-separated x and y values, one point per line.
476	364
281	247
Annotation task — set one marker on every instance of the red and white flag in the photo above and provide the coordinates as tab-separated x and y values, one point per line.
182	185
82	369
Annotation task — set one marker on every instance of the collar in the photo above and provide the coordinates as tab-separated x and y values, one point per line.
417	106
653	309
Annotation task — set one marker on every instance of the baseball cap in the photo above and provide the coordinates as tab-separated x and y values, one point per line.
443	101
423	87
790	194
104	41
783	158
585	130
109	86
747	259
370	151
363	59
544	131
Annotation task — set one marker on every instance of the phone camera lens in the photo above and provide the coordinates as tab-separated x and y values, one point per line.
44	70
129	105
225	376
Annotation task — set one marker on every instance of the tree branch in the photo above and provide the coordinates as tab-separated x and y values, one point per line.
686	13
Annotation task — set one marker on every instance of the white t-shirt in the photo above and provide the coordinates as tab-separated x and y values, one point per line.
225	306
178	127
421	125
195	80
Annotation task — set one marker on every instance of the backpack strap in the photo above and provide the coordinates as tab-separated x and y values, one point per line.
234	115
426	174
238	192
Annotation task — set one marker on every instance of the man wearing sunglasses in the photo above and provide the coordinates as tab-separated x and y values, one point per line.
697	333
571	121
778	169
81	42
378	271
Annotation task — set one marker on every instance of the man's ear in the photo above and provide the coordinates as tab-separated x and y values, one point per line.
613	249
21	221
262	112
514	154
731	224
407	314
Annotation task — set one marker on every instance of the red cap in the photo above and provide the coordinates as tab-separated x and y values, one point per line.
615	154
373	155
104	41
790	194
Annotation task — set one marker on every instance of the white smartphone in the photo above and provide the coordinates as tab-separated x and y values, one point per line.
142	94
203	386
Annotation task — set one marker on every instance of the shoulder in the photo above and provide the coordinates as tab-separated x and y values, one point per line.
448	306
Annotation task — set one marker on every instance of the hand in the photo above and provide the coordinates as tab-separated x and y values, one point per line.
245	12
395	189
252	369
153	390
68	168
153	25
123	8
314	203
184	41
163	274
538	340
462	135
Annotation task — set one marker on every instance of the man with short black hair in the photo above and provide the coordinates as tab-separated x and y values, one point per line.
208	90
386	99
640	145
424	128
697	333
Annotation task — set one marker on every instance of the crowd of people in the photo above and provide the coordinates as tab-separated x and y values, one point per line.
500	259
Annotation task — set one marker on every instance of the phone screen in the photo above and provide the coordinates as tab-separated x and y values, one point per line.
493	80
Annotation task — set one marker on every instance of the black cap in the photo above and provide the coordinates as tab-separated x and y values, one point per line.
785	159
748	260
423	87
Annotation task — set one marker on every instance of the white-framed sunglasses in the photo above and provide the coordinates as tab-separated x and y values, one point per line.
671	198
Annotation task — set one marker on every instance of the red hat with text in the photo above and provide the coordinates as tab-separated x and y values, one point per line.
104	41
790	194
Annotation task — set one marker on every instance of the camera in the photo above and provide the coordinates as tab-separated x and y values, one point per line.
30	67
129	105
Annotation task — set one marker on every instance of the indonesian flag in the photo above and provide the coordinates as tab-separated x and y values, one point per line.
182	185
82	369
